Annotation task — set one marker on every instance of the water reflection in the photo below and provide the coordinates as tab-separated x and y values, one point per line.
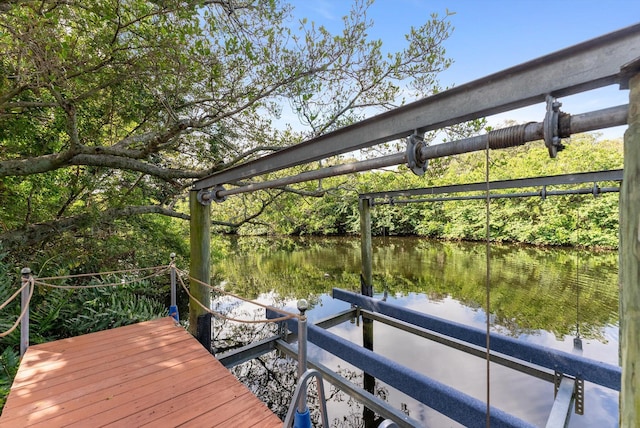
533	297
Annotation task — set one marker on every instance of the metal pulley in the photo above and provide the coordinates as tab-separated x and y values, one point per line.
414	144
551	127
206	196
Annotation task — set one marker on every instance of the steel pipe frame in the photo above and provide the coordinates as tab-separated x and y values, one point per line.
588	65
456	405
371	401
599	119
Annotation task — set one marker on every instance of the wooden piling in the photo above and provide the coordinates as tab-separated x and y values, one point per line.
365	247
199	267
629	271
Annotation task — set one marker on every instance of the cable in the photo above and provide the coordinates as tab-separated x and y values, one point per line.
487	283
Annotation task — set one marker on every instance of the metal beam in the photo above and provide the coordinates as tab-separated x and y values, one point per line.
552	180
589	65
561	410
248	352
460	346
540	194
502	138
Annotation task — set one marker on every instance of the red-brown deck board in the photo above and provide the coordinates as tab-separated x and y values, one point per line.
148	374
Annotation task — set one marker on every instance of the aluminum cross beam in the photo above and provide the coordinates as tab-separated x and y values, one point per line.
588	65
551	180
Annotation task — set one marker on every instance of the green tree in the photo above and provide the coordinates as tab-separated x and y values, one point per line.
110	108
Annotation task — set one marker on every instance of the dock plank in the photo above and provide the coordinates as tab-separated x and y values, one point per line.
148	373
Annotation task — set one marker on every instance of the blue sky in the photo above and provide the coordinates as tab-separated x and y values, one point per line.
491	35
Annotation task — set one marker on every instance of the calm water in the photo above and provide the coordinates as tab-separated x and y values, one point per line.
542	296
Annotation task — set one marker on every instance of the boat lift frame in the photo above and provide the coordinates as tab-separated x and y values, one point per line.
612	59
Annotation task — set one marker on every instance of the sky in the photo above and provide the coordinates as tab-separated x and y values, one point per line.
492	35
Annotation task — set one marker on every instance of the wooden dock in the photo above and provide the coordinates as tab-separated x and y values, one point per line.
148	374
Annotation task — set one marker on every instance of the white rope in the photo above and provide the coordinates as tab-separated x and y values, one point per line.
24	310
113	284
10	299
220	315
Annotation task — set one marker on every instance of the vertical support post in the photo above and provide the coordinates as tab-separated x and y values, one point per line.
24	302
199	268
173	307
629	254
365	247
366	289
302	418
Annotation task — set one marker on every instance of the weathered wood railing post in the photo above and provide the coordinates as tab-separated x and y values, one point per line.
173	307
199	268
629	254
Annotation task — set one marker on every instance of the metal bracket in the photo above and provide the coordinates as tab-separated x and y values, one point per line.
414	143
206	196
557	378
579	395
578	392
551	127
627	71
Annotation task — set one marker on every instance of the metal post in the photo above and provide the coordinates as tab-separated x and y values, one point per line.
629	271
173	308
302	417
24	302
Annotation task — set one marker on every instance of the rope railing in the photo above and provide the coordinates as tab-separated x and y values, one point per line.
161	270
113	272
14	295
24	309
287	316
30	280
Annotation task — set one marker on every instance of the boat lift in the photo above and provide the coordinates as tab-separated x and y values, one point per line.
613	59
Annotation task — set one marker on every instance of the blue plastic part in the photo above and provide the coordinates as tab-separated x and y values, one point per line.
302	420
173	312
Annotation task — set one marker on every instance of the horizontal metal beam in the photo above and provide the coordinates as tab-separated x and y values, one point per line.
597	372
589	65
248	352
369	400
561	410
540	194
551	180
461	346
